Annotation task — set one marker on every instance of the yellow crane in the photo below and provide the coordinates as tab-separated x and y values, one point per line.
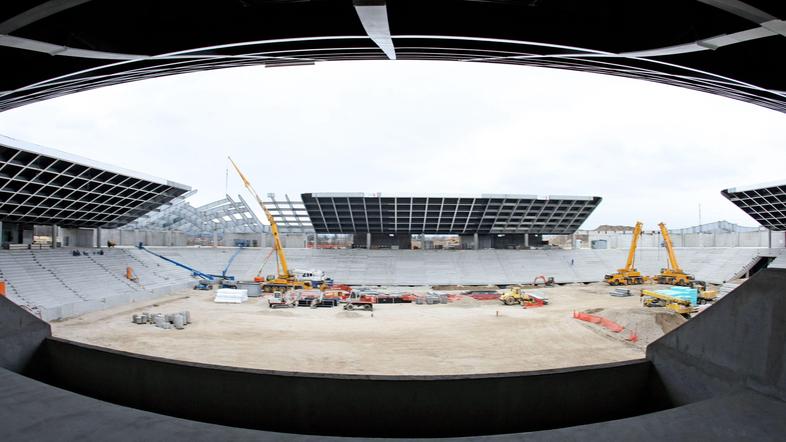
678	305
285	279
673	274
628	275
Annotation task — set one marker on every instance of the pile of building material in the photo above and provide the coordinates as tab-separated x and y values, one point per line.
177	320
432	298
619	292
231	296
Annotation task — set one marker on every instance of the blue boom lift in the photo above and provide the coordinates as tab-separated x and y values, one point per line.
206	280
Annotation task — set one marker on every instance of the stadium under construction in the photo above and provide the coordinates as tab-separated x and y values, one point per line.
127	312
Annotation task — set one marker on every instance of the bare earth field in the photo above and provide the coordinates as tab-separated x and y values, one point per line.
460	338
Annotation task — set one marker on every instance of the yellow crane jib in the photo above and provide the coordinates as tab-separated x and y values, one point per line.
629	275
285	279
673	274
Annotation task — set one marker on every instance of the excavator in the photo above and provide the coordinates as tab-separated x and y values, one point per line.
673	274
285	279
628	275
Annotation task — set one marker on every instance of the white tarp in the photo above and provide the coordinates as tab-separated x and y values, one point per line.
232	296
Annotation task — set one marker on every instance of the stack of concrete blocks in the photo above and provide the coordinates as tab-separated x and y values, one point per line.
166	321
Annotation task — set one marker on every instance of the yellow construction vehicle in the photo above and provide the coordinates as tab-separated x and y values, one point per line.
678	305
673	274
285	280
628	275
516	295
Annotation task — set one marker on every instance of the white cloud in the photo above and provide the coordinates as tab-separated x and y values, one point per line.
653	152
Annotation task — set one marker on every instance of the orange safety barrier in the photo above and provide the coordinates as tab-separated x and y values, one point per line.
2	288
606	323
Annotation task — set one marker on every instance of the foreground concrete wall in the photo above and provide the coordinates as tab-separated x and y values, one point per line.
739	343
21	334
359	405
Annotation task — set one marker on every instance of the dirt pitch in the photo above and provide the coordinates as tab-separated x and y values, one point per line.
460	338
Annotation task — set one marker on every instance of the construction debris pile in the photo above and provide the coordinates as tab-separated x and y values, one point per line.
177	320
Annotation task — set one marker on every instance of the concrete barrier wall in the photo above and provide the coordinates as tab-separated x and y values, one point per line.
730	239
381	406
21	334
738	343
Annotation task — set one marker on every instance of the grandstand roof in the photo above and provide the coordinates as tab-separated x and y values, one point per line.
445	214
222	216
766	203
727	47
39	185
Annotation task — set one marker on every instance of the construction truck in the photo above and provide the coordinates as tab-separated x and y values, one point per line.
673	274
285	279
678	305
628	275
516	295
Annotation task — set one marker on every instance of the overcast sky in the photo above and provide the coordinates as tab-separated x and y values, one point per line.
653	152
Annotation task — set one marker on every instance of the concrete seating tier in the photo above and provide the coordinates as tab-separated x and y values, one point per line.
423	267
55	284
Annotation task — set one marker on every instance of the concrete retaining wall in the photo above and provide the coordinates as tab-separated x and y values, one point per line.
738	343
381	406
21	334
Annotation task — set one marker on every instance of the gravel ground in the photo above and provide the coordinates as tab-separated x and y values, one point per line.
465	337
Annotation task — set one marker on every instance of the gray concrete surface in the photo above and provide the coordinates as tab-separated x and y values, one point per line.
737	344
21	334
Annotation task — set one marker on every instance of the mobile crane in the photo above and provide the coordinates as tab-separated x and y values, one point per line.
677	305
673	274
628	275
285	279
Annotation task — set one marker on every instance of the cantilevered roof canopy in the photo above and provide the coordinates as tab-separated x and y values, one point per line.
766	203
728	47
39	185
439	214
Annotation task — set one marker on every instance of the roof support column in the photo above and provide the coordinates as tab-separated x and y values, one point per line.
477	241
54	234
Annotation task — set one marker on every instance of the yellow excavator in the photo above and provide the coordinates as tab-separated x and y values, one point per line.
628	275
285	280
673	274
